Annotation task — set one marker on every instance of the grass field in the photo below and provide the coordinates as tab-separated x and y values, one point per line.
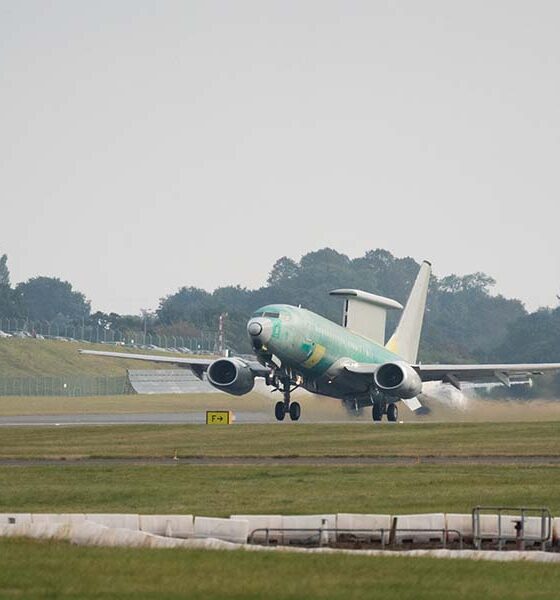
285	439
221	491
32	358
57	570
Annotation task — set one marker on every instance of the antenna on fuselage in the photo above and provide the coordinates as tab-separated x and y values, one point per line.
365	313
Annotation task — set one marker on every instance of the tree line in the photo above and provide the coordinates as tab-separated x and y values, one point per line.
464	322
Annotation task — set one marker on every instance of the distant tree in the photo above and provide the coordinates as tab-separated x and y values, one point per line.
4	272
283	269
46	298
475	281
533	338
11	305
464	321
189	304
232	298
10	301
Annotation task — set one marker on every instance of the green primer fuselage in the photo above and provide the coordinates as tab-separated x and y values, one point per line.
312	346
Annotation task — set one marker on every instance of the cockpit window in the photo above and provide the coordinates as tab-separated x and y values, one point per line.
258	314
272	315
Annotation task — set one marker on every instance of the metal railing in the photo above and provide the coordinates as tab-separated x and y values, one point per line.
321	535
519	525
206	342
65	386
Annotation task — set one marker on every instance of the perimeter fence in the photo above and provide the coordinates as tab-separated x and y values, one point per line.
208	341
65	386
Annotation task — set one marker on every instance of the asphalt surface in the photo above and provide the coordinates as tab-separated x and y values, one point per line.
240	418
127	419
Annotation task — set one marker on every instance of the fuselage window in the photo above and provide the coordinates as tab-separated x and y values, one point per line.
272	315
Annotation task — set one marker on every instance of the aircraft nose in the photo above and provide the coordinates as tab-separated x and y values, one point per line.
254	328
259	330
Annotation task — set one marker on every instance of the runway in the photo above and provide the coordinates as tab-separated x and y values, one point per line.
184	418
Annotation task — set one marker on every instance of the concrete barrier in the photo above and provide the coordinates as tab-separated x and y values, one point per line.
91	534
556	530
370	522
462	523
422	521
307	522
58	518
262	522
178	526
114	520
223	529
44	530
237	528
14	518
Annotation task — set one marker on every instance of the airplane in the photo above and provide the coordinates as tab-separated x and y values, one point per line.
295	348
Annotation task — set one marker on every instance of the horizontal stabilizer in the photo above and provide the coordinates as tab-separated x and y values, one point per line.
412	403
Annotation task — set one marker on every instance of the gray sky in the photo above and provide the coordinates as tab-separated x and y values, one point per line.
149	145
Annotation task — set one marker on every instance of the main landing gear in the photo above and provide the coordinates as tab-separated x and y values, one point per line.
381	407
294	410
284	407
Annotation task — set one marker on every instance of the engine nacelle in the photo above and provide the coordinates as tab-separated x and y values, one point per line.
398	379
231	376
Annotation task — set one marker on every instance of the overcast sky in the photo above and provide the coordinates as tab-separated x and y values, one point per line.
150	145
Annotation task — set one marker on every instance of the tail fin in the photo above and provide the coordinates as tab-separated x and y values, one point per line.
406	339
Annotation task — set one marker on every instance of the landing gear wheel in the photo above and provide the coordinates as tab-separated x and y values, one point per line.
279	411
295	411
377	411
392	412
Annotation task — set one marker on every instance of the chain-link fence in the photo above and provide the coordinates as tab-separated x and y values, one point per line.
207	342
64	386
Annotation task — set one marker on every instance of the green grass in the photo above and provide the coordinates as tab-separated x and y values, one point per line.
57	570
285	439
221	491
33	358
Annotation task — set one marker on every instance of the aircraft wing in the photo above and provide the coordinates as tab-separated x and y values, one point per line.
498	373
458	374
197	365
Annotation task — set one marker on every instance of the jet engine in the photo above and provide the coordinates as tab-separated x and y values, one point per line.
398	379
231	376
